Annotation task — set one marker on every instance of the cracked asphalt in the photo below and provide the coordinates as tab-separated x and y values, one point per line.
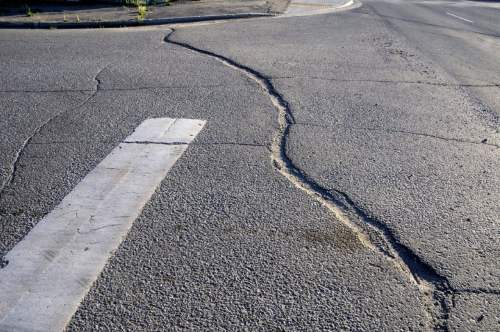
347	177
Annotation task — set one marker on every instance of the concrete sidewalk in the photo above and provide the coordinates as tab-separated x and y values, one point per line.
107	15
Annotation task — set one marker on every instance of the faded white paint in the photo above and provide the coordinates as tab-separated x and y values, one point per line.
459	17
53	267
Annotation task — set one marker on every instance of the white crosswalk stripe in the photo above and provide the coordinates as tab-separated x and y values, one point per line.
51	269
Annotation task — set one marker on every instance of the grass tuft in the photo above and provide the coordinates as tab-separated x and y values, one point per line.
140	5
29	12
142	10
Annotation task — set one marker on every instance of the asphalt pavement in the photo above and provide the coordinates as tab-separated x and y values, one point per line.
346	178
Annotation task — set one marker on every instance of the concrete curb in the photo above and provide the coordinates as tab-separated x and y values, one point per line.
300	8
128	23
169	20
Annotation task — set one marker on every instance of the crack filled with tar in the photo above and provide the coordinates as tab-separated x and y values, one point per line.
418	82
406	132
199	144
13	166
139	88
436	291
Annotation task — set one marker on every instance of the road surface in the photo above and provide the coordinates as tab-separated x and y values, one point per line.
347	176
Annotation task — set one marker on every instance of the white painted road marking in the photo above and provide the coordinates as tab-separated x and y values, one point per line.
459	17
53	267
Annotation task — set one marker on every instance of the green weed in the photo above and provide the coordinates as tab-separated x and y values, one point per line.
29	12
142	10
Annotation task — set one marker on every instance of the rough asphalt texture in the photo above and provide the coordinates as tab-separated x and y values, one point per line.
381	114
